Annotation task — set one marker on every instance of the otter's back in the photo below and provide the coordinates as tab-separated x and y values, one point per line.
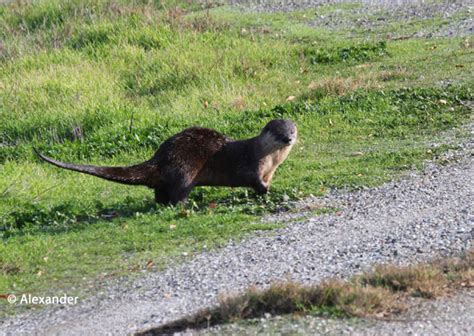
185	153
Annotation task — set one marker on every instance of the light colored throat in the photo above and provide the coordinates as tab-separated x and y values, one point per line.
270	163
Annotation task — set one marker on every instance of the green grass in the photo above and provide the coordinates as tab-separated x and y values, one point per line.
107	82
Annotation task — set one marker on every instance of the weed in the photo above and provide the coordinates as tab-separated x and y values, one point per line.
356	53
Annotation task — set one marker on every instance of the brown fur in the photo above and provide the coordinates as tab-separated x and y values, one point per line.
203	157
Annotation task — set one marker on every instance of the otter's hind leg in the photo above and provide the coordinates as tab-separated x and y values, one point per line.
162	196
179	194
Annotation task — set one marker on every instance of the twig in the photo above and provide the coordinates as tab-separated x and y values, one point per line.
44	191
130	127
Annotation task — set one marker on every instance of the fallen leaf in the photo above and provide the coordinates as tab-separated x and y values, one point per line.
206	104
466	44
213	205
357	154
172	226
313	85
290	98
150	264
239	103
442	101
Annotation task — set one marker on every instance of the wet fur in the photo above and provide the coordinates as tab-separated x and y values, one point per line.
203	157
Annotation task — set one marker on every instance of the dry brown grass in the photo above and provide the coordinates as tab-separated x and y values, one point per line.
239	103
376	294
427	280
177	18
340	86
335	297
390	75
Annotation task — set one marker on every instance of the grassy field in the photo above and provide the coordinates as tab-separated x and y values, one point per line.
105	82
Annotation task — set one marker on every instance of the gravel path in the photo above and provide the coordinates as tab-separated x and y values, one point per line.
424	215
454	16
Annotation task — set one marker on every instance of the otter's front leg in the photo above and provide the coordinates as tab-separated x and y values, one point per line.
267	179
260	186
179	194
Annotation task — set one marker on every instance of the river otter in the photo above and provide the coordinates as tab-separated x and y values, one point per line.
203	157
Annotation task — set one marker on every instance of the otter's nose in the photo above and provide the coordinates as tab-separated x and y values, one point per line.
286	140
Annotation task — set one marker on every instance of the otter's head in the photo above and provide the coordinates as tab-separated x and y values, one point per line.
281	132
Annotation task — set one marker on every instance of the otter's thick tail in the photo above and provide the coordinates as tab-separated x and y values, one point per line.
140	174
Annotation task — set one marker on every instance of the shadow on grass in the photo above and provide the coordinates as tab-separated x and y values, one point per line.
36	218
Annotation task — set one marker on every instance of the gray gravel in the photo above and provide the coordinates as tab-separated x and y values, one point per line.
293	5
423	215
376	15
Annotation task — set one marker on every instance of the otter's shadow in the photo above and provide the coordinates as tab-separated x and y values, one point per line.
35	218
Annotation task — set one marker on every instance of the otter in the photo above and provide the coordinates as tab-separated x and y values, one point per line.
203	157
